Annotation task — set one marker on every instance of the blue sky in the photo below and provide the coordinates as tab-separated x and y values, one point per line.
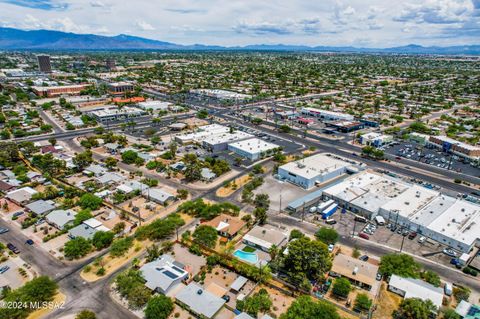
367	23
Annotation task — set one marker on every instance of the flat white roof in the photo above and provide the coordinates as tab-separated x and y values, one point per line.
411	201
460	221
203	132
254	145
154	105
367	186
452	141
433	210
225	137
116	111
416	288
314	165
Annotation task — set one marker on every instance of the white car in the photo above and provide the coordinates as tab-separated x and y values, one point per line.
422	239
449	252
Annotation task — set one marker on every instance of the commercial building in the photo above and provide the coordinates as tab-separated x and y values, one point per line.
347	126
326	115
359	273
163	274
416	288
219	142
44	64
200	301
201	133
120	88
264	238
221	94
116	114
448	220
375	139
154	105
253	148
447	144
315	169
54	91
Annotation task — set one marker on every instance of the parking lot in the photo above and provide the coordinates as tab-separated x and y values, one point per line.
10	274
432	156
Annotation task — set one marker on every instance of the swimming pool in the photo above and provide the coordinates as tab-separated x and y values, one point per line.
248	257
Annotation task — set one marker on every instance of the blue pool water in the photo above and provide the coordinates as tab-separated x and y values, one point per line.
248	257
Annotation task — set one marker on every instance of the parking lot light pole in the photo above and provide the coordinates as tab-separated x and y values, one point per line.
403	240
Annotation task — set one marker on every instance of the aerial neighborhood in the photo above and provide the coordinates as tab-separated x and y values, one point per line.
207	185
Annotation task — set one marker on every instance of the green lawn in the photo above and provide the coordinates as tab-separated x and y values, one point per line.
248	249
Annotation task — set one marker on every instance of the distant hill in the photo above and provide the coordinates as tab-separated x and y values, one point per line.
15	39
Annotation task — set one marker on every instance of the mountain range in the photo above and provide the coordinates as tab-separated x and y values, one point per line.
16	39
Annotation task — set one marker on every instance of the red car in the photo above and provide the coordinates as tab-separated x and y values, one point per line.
363	235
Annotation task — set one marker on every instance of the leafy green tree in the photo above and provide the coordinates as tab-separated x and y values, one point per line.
206	235
40	289
82	216
130	285
120	246
102	239
129	157
77	248
262	201
431	277
159	307
258	302
461	293
285	128
304	307
307	259
327	235
399	264
90	201
362	302
261	215
414	308
85	314
341	287
449	313
111	162
82	160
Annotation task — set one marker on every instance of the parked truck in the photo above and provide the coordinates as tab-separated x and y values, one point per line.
329	211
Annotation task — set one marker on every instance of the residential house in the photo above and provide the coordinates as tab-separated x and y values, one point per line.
163	274
200	301
226	225
61	218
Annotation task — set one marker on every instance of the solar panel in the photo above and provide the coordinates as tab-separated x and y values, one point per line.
170	274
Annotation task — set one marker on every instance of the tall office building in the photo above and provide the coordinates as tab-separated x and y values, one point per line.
110	64
44	63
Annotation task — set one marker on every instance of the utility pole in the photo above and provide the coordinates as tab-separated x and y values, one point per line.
303	212
403	239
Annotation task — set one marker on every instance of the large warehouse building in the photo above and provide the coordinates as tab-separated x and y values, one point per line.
445	219
326	114
313	170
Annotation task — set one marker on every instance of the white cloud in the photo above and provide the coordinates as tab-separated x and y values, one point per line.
241	22
144	26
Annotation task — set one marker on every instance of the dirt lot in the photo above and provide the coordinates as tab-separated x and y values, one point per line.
390	302
239	182
193	262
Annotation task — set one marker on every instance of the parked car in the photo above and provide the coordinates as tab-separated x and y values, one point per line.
364	236
364	258
422	239
405	232
29	242
379	276
449	252
17	214
330	247
412	235
360	219
330	221
3	230
4	269
13	248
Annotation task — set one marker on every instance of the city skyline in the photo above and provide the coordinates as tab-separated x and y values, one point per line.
332	23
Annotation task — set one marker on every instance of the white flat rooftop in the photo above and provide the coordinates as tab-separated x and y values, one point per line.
225	137
314	165
461	221
411	201
254	145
